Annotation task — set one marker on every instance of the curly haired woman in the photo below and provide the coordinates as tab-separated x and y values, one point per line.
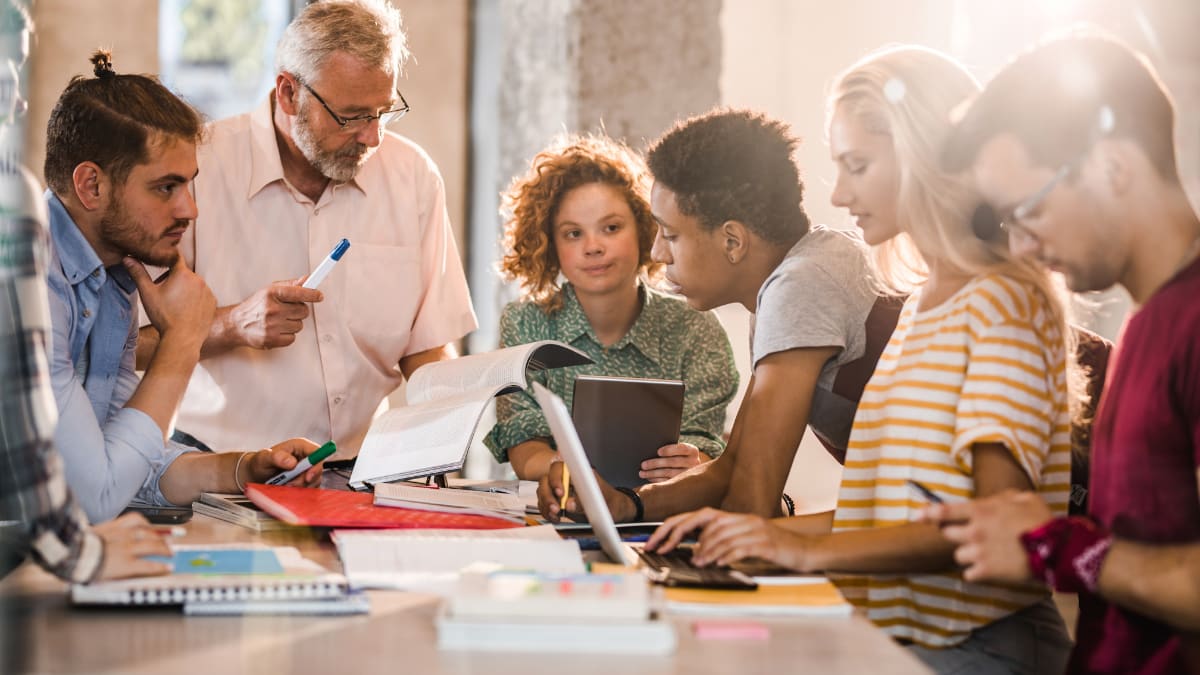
577	237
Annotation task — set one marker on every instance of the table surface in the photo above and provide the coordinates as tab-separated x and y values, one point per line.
41	632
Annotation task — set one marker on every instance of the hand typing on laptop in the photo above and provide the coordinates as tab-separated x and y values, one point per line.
726	538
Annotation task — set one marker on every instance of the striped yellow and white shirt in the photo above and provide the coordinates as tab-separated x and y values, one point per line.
985	366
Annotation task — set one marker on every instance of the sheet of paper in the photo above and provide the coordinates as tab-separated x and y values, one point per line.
430	560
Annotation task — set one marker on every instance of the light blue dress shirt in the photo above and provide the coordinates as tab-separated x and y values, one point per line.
112	454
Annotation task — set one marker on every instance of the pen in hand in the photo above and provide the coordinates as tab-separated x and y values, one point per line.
303	465
318	275
566	485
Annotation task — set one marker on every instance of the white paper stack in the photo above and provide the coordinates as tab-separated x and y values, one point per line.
431	560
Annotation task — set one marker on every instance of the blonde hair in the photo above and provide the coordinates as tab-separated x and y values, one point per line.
908	93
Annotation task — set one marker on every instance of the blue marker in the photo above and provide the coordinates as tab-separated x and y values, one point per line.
318	275
305	464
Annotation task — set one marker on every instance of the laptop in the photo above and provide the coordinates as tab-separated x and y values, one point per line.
623	421
673	569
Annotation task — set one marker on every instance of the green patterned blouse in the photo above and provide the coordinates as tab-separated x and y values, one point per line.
669	341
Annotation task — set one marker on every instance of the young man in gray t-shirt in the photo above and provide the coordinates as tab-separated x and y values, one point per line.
727	198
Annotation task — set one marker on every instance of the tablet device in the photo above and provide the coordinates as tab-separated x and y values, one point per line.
623	421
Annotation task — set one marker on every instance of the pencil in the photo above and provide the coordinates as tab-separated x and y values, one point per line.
562	505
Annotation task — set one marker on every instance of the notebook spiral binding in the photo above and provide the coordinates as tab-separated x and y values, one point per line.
178	596
226	590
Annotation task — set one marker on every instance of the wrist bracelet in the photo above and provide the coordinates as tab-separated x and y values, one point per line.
639	508
236	467
1067	553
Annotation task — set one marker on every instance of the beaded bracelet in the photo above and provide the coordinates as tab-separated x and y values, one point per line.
1067	553
638	506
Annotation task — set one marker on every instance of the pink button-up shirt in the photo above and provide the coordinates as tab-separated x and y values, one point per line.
399	290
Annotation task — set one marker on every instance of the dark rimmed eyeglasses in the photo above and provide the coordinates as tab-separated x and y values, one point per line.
359	121
987	223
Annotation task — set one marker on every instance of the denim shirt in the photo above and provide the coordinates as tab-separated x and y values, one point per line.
113	454
38	514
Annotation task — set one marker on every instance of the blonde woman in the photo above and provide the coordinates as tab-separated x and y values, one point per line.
970	397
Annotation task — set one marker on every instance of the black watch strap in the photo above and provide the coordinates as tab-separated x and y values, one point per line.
638	506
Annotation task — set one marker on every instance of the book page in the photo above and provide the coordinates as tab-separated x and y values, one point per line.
495	369
404	442
433	562
535	533
404	494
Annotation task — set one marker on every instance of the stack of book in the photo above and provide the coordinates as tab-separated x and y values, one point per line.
239	510
451	500
522	611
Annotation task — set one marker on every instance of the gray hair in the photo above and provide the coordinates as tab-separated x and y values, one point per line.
369	30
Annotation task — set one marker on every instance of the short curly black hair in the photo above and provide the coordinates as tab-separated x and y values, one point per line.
734	165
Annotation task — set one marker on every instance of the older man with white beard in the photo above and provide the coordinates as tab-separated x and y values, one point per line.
278	188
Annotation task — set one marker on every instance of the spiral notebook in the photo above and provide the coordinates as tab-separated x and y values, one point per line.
221	574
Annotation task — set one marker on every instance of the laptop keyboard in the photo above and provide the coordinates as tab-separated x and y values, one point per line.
675	568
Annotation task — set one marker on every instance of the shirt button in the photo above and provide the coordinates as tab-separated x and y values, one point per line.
87	313
337	400
327	338
95	273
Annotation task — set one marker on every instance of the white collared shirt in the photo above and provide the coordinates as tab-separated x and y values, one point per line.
399	290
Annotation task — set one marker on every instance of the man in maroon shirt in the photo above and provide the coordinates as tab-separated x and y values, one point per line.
1072	148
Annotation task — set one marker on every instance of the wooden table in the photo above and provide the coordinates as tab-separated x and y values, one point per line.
41	632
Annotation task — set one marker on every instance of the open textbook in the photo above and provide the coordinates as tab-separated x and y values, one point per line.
446	399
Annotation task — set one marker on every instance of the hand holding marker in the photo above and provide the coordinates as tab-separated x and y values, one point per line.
318	275
305	464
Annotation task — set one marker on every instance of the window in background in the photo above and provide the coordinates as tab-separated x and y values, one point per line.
220	54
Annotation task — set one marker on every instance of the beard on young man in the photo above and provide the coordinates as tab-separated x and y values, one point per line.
121	232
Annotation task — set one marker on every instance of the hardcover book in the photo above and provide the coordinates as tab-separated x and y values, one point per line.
340	508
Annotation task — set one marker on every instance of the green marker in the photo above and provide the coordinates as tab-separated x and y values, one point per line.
305	464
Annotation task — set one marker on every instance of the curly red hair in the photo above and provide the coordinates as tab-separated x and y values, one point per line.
531	203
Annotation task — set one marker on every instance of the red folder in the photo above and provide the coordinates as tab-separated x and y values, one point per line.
339	508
